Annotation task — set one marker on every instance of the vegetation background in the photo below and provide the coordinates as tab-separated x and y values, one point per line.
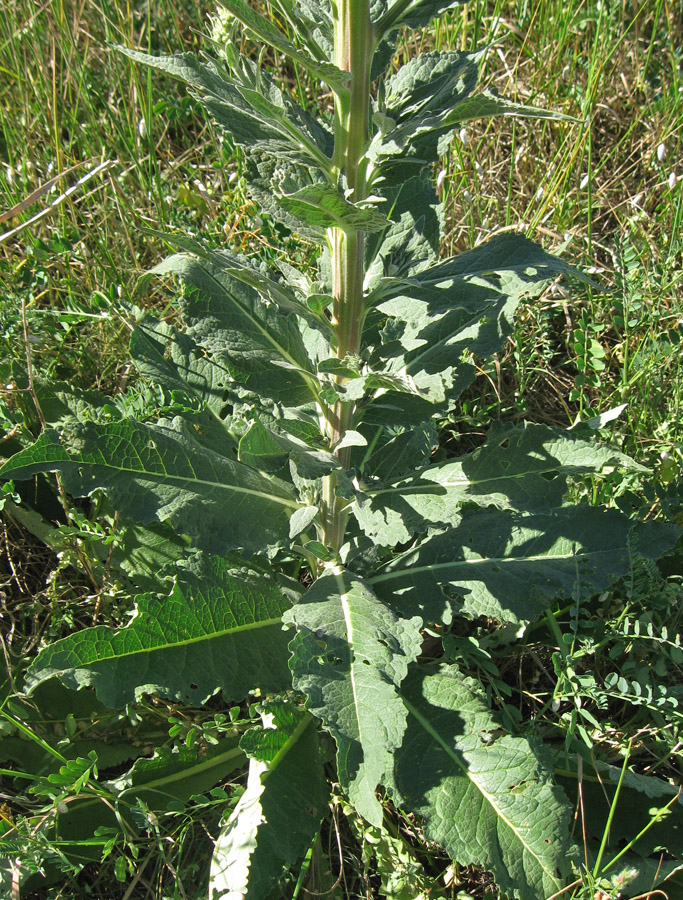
92	150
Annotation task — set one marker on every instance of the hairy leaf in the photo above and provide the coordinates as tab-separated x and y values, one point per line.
459	307
280	812
163	471
253	110
488	800
322	206
231	322
256	22
219	629
524	467
509	565
349	656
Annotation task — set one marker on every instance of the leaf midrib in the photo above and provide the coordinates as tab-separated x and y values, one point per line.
484	560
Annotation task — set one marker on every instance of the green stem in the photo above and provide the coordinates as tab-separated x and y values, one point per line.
353	49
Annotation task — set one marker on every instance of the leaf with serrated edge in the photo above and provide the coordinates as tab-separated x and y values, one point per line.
161	471
488	803
523	467
279	814
509	566
219	629
349	656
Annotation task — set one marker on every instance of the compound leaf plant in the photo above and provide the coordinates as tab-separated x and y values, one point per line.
320	542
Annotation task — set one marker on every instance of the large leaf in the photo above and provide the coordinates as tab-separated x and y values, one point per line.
349	656
487	800
525	467
459	307
280	812
220	629
509	565
164	471
230	321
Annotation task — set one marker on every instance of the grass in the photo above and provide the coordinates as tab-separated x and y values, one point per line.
120	150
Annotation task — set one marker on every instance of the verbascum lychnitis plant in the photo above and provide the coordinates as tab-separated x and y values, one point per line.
287	480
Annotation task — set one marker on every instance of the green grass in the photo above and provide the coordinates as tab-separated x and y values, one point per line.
597	190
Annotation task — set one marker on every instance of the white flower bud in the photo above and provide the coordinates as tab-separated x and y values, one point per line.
661	152
673	181
584	183
142	129
464	137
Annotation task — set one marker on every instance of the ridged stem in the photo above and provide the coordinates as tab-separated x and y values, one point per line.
353	48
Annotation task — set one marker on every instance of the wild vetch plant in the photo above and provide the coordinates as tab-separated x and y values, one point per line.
287	485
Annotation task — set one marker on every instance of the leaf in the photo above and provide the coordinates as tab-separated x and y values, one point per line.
349	656
412	240
488	803
280	812
219	629
410	13
232	323
173	775
509	566
422	96
252	110
487	104
524	467
163	472
256	22
242	269
459	307
321	206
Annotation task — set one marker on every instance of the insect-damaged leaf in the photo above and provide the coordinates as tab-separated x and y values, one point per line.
509	565
487	802
161	472
349	656
523	467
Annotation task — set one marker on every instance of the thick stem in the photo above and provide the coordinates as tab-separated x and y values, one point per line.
353	48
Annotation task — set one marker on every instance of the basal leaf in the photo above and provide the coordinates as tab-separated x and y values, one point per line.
349	656
509	566
280	812
219	629
524	467
491	803
322	206
164	472
172	775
